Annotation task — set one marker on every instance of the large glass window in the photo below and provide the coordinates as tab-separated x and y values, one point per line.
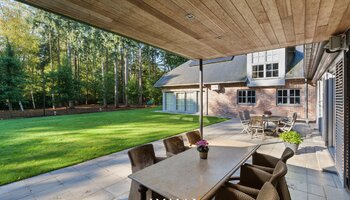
169	101
191	104
246	97
288	96
265	64
180	102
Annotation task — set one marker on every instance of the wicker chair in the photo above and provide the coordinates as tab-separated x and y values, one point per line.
142	157
252	179
174	145
267	192
193	137
268	163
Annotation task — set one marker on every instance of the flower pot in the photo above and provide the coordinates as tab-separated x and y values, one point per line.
203	155
294	147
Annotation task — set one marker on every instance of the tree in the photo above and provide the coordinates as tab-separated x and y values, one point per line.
12	78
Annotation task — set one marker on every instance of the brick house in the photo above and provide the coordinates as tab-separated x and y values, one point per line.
270	80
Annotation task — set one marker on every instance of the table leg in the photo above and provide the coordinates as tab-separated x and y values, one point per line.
143	192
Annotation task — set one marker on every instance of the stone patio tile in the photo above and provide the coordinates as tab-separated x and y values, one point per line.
54	194
314	197
81	187
30	197
124	196
104	179
45	185
18	193
322	181
39	178
337	181
315	189
296	184
298	195
100	195
297	176
12	187
336	193
120	187
296	169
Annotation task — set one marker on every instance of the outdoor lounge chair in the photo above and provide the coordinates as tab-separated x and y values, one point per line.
289	124
245	123
193	137
267	192
252	179
142	157
174	145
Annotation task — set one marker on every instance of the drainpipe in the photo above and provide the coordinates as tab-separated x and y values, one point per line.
306	101
201	97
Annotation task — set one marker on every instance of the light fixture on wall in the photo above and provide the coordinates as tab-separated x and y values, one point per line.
189	16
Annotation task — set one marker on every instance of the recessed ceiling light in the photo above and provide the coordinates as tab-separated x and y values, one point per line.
219	37
189	16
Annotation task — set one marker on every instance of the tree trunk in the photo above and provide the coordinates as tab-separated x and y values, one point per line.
103	85
21	105
123	74
126	79
51	65
140	76
43	90
116	83
33	100
58	51
9	104
87	81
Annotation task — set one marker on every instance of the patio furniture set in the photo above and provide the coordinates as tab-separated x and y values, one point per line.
260	125
183	175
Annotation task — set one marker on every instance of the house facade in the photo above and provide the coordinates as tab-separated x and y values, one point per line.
269	80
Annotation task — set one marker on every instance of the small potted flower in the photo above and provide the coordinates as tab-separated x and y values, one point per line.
203	148
291	139
267	113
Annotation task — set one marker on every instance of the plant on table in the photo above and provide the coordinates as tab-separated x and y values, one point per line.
203	148
267	112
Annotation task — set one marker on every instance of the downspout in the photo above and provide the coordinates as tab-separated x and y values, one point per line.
306	101
207	97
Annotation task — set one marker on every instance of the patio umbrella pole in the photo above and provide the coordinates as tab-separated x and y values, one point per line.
201	97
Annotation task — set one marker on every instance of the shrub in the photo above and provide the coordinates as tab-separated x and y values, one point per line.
291	137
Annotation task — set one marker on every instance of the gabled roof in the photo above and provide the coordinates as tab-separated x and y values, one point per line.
225	70
232	69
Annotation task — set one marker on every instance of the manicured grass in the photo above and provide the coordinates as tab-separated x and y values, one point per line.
36	145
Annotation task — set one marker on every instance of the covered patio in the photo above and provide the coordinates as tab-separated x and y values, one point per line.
205	30
106	178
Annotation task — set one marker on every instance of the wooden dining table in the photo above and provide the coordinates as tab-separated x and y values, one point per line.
276	119
186	176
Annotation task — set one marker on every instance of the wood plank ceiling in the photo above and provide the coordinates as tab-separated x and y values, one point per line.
211	28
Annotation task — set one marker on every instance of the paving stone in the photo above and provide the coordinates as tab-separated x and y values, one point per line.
100	195
336	193
315	189
45	185
298	195
314	197
120	187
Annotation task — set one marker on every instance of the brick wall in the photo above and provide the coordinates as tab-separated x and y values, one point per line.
224	103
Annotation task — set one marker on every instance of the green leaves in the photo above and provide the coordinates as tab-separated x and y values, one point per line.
291	137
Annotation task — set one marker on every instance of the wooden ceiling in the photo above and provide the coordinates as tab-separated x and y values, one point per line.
210	28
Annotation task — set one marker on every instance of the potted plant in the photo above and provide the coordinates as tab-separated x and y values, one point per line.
203	148
291	139
267	113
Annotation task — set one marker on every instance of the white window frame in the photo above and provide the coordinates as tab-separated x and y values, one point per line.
265	58
246	97
288	97
177	104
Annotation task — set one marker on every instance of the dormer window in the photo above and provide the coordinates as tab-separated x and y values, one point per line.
265	64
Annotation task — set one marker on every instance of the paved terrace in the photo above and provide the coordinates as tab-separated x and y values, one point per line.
105	178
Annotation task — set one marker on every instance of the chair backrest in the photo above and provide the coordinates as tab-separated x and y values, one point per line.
241	116
246	114
294	118
287	153
174	144
141	157
193	137
279	172
268	192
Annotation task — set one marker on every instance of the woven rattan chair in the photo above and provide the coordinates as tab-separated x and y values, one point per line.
174	145
268	163
267	192
141	157
252	179
193	137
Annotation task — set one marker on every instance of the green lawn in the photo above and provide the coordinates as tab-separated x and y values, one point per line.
36	145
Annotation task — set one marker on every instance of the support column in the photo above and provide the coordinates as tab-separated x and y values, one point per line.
201	97
347	120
